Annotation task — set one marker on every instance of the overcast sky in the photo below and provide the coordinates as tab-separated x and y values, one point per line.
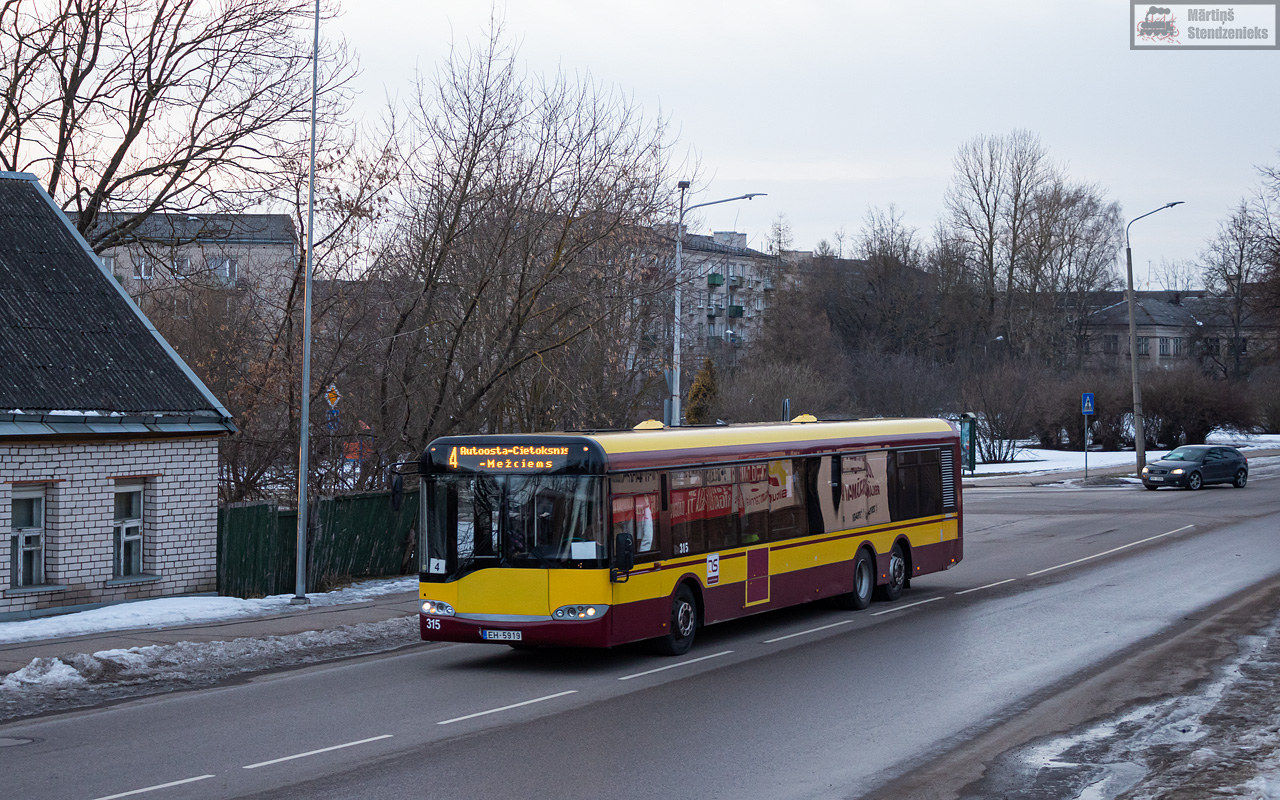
831	107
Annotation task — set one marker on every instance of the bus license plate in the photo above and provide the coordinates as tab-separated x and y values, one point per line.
500	636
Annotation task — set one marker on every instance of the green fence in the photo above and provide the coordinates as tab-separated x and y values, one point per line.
351	536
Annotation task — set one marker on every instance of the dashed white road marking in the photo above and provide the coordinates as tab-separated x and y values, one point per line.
988	586
811	630
673	666
1109	552
155	788
317	752
908	605
507	708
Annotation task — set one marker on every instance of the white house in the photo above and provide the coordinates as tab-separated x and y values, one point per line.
108	441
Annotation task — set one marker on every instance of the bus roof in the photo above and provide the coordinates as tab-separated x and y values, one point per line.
688	443
687	446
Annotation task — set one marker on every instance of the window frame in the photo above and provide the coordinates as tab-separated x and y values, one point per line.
129	530
19	539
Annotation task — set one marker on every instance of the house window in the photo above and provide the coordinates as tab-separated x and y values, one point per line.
1244	346
1111	343
26	550
1165	346
180	266
224	269
1211	345
127	529
1177	346
143	268
1144	346
1084	345
109	264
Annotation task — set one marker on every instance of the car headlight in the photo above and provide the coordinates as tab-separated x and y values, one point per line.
579	612
437	608
1145	470
1177	471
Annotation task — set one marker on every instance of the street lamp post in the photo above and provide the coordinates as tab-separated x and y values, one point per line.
675	330
1139	440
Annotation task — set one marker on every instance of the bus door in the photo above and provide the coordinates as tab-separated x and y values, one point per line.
757	576
752	504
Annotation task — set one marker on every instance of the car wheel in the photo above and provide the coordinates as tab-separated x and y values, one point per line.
1194	481
684	624
897	575
1242	477
864	583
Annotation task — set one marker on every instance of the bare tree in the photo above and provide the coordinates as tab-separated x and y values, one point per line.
991	207
1234	261
129	107
519	233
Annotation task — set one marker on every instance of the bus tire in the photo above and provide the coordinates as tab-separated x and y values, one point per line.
864	583
684	623
897	580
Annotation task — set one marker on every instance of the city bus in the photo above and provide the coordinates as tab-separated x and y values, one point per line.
597	539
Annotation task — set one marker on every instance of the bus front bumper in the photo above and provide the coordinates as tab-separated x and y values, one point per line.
533	632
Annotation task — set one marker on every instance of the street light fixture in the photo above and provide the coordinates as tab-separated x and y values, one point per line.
1139	440
675	330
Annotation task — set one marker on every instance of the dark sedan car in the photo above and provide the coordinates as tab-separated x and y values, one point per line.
1193	466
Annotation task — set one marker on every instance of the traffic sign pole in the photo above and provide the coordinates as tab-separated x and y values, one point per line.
1086	408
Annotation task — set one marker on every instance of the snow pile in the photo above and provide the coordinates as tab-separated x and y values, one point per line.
49	684
49	672
169	611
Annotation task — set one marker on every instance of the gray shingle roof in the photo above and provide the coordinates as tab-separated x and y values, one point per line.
165	228
70	339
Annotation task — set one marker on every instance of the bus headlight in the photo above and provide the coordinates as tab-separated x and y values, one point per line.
437	608
579	612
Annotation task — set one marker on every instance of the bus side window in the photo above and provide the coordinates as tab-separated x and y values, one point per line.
787	516
752	502
638	516
688	513
930	484
720	525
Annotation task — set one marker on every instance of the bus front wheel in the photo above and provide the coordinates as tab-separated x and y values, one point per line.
892	590
864	583
684	623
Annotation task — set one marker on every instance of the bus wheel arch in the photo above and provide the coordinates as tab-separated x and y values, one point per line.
898	571
865	573
686	618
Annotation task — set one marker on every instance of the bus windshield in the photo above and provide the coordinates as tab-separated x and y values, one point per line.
497	520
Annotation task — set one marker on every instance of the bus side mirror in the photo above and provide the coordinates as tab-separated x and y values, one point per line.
397	492
624	557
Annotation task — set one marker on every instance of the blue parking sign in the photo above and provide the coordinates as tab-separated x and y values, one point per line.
1086	403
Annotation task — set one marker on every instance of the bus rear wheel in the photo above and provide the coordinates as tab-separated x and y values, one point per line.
892	590
683	626
864	583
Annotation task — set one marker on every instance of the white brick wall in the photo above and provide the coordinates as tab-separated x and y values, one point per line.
180	518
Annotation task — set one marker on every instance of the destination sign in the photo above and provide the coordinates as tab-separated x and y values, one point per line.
508	458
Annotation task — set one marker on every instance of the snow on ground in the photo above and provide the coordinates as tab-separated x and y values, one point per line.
77	680
1222	740
1034	461
170	611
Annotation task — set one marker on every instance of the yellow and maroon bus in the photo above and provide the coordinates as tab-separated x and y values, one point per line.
596	539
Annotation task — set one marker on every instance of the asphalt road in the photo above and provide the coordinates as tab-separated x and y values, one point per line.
809	702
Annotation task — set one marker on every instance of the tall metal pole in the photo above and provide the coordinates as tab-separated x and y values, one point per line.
675	327
300	585
675	332
1139	438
